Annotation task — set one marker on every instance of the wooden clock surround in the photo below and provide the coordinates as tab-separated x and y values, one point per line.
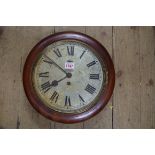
66	117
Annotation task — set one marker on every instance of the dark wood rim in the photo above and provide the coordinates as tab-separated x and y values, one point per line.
63	117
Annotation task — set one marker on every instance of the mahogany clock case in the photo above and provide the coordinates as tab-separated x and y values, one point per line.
55	115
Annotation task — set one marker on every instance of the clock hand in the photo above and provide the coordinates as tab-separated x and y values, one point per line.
62	79
54	83
68	75
55	64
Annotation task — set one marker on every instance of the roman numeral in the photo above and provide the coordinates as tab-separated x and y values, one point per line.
91	63
54	96
45	74
57	52
82	54
90	89
70	50
46	86
94	76
81	99
67	101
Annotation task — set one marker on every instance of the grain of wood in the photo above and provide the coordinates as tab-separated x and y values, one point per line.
127	87
104	118
15	110
147	71
78	29
8	113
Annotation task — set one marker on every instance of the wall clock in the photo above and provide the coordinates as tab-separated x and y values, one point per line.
68	77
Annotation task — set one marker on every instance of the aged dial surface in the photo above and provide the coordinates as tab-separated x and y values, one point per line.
69	76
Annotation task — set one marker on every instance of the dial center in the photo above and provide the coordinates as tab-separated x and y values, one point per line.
69	75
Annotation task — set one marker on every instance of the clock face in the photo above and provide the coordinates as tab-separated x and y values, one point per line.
69	76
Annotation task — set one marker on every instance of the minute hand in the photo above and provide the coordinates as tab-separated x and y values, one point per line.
55	64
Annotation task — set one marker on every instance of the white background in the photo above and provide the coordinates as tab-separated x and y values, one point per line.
77	142
77	12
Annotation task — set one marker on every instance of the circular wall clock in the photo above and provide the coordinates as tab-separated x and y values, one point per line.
68	77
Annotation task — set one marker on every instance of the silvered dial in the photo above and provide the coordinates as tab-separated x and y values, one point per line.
69	76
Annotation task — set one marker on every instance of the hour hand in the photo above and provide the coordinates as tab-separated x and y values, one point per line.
55	82
47	86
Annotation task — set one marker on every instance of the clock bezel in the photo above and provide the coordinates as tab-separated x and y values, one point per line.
32	95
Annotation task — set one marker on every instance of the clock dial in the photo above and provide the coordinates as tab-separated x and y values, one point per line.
69	76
